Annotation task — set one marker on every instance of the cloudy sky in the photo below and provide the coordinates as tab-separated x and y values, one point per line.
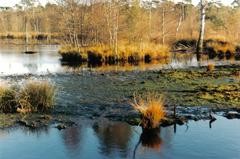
13	2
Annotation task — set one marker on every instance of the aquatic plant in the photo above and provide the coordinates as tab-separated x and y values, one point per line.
210	67
8	102
151	108
37	96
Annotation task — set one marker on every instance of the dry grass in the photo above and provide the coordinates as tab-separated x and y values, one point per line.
151	108
37	96
8	102
211	67
224	47
103	53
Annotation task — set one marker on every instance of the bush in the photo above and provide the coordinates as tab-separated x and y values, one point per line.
151	109
37	96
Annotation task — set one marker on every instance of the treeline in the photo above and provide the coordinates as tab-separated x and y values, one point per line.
115	22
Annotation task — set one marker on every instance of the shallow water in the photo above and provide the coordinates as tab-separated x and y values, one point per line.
47	60
118	140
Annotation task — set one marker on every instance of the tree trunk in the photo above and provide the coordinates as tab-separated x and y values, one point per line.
202	28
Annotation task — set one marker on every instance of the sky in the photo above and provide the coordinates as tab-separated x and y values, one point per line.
11	3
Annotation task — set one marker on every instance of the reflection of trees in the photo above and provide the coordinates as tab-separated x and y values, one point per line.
71	137
113	136
36	131
3	134
32	67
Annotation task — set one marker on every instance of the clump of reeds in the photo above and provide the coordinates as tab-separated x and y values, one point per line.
151	108
8	102
37	96
211	67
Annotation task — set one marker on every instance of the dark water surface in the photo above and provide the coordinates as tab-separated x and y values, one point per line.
47	60
108	140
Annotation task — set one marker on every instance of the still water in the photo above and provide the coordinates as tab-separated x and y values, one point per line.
47	60
108	140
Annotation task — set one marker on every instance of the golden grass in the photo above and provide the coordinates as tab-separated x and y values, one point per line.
224	48
104	53
37	96
151	108
211	67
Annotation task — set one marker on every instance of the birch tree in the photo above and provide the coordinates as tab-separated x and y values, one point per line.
203	5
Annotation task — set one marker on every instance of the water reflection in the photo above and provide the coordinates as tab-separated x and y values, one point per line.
72	138
47	60
112	137
149	138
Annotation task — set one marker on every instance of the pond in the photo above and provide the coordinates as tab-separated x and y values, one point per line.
47	60
106	140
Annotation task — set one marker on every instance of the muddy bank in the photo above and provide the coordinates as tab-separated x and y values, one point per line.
108	94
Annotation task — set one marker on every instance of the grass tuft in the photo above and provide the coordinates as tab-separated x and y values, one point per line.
37	96
151	108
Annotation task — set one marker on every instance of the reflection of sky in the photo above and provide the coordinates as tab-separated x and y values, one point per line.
13	61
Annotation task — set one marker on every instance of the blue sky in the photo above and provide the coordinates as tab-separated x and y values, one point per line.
13	2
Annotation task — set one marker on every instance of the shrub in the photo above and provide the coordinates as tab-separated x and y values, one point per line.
37	96
8	102
151	109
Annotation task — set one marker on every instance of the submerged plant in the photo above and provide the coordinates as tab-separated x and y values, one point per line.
8	102
37	96
151	108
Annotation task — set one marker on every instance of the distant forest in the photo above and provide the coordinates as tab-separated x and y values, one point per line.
92	22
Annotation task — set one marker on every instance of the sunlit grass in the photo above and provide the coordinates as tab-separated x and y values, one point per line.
151	108
124	53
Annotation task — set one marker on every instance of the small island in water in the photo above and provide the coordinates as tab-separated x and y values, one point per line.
120	79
